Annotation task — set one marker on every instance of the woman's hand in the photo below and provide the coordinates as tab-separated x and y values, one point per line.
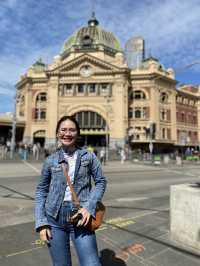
45	234
85	217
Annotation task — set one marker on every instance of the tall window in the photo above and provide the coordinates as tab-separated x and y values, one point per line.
21	105
182	117
39	113
163	133
140	112
67	88
92	88
104	87
130	112
81	88
137	113
194	119
163	115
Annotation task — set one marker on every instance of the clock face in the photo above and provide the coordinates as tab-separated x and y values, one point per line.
86	71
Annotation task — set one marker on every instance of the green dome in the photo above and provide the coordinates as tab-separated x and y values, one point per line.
92	37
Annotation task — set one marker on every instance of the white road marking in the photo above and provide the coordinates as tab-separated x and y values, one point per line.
32	167
181	172
131	199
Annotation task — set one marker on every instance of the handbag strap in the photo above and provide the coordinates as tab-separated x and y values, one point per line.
74	196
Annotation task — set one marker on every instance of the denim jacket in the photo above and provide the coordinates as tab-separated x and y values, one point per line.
51	187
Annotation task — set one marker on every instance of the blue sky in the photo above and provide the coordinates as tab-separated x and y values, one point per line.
32	29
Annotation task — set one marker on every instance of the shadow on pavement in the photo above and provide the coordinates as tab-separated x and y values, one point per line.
156	240
16	192
108	258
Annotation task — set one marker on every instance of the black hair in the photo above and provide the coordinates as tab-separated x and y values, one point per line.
64	118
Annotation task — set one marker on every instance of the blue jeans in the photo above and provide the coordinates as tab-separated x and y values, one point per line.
83	240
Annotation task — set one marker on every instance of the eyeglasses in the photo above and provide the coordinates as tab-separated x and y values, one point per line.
71	131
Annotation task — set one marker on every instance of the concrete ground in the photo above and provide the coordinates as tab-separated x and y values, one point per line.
136	226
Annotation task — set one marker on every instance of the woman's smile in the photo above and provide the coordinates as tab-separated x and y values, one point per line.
67	133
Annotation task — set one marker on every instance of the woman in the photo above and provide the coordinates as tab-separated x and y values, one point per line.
54	202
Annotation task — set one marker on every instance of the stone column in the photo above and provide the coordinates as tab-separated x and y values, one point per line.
52	111
198	120
154	108
173	117
28	138
120	113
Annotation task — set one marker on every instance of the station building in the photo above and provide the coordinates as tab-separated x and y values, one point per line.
113	103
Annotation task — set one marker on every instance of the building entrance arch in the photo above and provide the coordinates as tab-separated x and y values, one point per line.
39	137
93	128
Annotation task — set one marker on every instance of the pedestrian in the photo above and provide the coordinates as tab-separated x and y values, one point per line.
123	156
54	201
35	151
8	144
21	150
38	151
103	156
1	151
25	152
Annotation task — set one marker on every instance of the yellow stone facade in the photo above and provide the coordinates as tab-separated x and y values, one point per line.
91	80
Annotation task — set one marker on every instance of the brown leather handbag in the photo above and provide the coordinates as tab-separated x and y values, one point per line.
94	223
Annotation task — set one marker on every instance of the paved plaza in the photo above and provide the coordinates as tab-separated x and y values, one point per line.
136	227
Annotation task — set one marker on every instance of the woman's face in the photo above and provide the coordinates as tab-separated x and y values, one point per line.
67	133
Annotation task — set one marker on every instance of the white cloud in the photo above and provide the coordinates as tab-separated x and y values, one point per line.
169	27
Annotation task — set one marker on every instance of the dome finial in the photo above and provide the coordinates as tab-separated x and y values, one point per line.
93	21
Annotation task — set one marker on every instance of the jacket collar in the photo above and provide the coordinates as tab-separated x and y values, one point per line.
61	158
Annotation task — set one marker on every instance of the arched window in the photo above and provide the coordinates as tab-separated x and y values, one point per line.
39	134
41	97
163	97
90	120
39	137
139	95
86	41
